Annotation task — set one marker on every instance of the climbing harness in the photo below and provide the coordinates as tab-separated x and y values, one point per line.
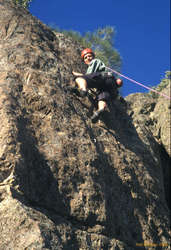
139	83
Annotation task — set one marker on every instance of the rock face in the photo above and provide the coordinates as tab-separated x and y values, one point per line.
154	115
66	183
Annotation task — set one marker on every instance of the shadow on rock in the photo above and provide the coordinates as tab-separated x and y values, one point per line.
34	175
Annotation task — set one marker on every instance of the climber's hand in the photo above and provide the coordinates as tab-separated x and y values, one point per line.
119	82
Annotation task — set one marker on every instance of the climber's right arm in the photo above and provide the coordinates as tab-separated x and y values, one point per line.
76	73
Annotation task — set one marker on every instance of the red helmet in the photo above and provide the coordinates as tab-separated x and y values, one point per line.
86	51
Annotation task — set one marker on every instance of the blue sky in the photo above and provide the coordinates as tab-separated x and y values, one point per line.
142	32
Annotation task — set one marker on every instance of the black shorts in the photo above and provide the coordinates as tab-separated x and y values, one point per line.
103	84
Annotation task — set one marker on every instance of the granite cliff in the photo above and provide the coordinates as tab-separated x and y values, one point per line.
66	183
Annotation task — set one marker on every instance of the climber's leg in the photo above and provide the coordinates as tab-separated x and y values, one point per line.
103	98
102	105
82	85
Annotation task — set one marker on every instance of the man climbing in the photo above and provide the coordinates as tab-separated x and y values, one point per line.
97	78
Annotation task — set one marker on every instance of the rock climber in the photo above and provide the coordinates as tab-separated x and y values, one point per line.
96	77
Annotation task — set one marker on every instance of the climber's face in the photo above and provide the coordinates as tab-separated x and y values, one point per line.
88	58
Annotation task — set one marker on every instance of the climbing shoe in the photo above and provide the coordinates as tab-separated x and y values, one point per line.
72	89
83	93
95	117
75	90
